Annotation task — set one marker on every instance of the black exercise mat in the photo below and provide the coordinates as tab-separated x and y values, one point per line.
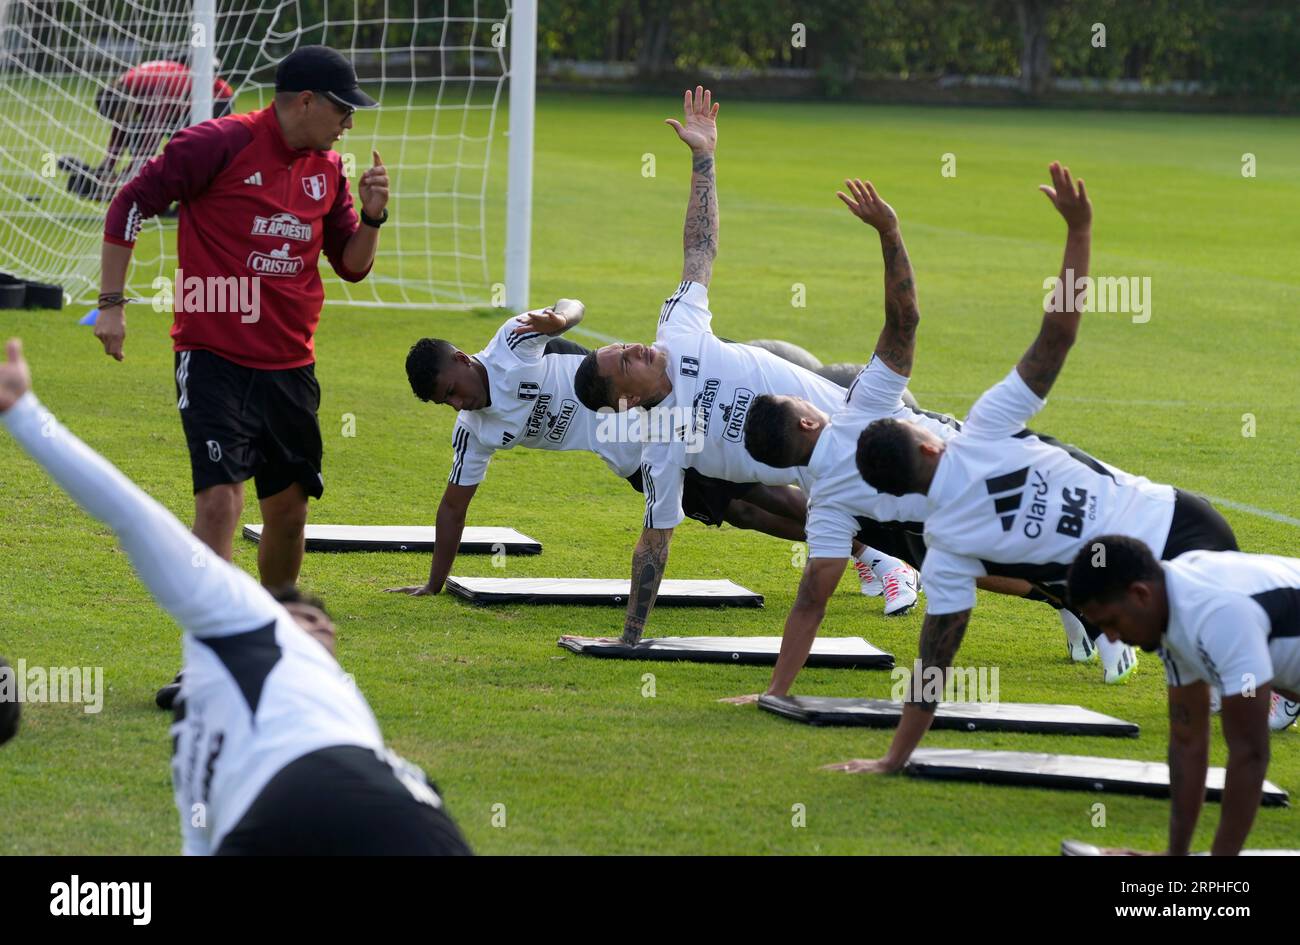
1071	772
480	590
1079	848
827	652
964	716
474	540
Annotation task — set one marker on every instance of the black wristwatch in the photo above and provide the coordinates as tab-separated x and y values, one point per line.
371	221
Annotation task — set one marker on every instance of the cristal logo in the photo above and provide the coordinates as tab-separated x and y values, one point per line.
559	424
282	225
277	262
734	413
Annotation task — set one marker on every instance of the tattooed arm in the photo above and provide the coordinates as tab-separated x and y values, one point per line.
897	343
700	235
940	637
648	563
1040	365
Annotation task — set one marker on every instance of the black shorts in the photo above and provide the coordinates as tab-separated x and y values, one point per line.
1197	526
902	540
341	801
703	498
243	423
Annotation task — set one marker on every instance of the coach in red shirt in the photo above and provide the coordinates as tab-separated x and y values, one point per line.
261	196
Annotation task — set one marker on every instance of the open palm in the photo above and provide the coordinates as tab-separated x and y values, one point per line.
699	127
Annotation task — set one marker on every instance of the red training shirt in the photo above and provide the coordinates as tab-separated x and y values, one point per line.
250	207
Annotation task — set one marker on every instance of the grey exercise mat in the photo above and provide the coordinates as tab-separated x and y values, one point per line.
1079	848
480	590
1073	772
827	652
964	716
473	540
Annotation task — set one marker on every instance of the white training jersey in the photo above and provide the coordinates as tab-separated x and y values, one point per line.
1007	501
838	497
531	403
258	692
1234	621
714	382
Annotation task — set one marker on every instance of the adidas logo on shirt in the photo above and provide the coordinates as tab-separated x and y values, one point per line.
1007	505
255	180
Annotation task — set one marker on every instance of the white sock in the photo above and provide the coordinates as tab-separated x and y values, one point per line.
1074	629
1110	652
879	562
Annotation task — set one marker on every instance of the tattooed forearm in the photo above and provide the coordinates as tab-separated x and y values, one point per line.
897	343
940	638
1041	364
700	235
648	564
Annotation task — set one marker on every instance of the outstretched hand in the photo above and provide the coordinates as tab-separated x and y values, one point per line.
547	321
866	205
863	766
1070	200
699	129
15	377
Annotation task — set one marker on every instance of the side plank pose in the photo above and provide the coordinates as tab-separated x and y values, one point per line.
519	392
1002	500
1216	618
788	432
275	751
696	390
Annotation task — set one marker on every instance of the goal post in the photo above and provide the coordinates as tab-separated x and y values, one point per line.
443	71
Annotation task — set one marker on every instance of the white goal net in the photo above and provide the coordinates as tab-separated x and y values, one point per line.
439	69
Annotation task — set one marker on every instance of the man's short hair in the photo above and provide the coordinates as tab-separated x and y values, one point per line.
425	362
594	391
887	457
771	432
289	594
10	708
1105	567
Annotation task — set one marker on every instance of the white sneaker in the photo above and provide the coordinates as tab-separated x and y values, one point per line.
1077	644
900	590
1122	668
871	585
1282	713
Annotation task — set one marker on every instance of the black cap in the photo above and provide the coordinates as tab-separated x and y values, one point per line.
325	70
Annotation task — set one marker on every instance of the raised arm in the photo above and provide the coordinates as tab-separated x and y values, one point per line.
699	130
896	345
648	563
1039	365
202	593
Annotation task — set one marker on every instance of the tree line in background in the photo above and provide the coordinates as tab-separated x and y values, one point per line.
1241	47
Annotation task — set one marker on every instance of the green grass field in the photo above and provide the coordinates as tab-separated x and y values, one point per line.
580	759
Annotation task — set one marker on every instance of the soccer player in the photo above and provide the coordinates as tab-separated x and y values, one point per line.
697	390
1002	500
262	196
791	433
275	751
1217	618
144	105
519	391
